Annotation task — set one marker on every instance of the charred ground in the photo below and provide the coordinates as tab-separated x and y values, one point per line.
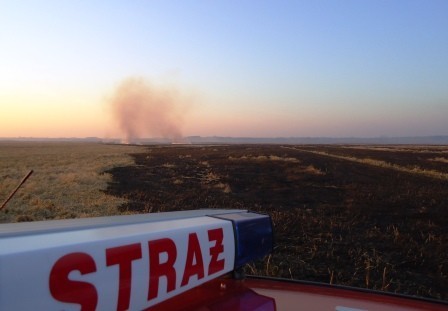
336	220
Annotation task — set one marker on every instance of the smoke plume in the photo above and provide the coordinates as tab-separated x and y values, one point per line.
144	110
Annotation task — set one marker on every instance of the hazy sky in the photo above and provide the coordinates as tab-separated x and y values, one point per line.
237	68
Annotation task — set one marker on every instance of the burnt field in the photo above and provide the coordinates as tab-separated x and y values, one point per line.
360	216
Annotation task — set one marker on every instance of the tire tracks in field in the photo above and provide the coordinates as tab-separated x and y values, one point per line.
378	163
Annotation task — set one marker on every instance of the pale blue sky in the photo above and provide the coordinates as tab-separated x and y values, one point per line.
254	68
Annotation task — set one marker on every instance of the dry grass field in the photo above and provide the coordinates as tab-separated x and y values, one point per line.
67	181
364	216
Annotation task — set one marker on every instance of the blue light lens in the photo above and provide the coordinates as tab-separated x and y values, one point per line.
253	236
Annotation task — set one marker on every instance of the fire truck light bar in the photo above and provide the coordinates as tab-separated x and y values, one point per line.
253	236
124	262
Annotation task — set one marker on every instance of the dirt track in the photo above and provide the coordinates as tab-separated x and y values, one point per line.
336	221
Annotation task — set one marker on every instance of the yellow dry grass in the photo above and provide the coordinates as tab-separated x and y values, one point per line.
310	169
379	163
67	182
403	148
265	158
439	159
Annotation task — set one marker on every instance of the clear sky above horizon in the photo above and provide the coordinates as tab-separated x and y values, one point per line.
238	68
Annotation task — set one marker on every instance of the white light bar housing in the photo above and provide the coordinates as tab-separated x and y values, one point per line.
122	262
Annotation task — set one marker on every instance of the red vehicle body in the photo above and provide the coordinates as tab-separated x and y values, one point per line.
260	293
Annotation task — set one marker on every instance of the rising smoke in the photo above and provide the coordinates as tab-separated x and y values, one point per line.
144	110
